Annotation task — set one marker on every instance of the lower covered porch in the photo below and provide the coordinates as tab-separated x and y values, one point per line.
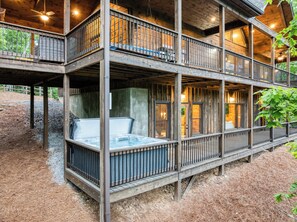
164	127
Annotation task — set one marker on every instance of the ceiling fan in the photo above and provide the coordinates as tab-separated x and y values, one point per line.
44	15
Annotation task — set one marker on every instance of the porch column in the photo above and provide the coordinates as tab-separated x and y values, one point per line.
251	49
177	131
251	120
288	67
222	37
32	107
273	59
66	16
289	85
45	116
66	85
222	124
104	112
178	29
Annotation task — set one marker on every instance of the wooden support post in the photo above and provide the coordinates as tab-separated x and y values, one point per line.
222	37
222	124
273	59
45	117
66	16
251	120
32	107
104	112
251	49
66	86
177	131
288	67
178	29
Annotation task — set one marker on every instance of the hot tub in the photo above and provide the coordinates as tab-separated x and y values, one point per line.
126	161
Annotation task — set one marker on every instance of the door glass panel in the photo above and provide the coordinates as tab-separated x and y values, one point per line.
162	121
184	120
196	120
230	116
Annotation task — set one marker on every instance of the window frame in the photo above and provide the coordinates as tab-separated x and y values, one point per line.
168	104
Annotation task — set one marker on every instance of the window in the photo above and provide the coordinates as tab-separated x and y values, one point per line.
162	120
197	119
234	116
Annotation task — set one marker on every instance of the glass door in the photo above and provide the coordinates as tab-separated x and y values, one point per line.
184	120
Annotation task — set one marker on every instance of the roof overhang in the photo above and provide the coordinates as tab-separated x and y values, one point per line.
249	8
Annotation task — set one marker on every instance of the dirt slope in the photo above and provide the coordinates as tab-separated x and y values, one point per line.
27	192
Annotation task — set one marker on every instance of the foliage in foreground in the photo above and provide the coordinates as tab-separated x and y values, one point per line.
279	105
293	189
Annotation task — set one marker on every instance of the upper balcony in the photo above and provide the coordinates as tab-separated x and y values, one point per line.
147	30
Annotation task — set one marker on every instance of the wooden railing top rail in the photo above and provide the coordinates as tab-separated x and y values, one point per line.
142	20
239	55
262	63
201	41
202	136
36	31
237	131
93	148
260	127
83	21
142	146
96	149
285	71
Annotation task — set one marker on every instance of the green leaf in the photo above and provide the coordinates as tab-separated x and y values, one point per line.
278	197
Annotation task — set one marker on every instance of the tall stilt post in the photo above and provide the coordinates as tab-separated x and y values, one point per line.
32	107
177	95
66	86
177	131
251	120
45	116
104	112
222	125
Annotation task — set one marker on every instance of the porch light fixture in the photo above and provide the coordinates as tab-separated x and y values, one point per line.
183	97
272	26
44	18
213	19
235	35
231	99
75	12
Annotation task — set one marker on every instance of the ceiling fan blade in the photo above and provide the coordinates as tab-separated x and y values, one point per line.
50	13
36	11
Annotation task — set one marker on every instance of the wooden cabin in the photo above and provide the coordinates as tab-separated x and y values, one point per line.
155	92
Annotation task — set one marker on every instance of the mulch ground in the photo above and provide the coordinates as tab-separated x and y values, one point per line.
28	193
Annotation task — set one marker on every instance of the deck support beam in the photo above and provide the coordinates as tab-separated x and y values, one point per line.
104	87
66	86
45	116
177	132
32	107
66	16
222	125
251	120
222	37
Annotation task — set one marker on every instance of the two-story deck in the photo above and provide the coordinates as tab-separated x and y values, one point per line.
185	71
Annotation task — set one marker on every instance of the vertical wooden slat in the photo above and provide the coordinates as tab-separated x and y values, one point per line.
273	59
